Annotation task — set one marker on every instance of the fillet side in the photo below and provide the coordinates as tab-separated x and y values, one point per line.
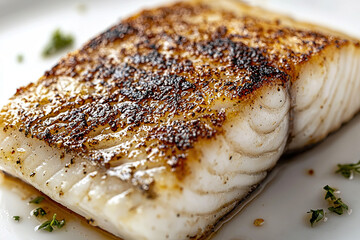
181	209
325	95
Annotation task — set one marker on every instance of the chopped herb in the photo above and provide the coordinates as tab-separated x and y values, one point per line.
19	58
37	200
50	224
339	207
338	210
329	193
348	170
47	226
316	216
61	223
39	211
16	218
336	206
58	42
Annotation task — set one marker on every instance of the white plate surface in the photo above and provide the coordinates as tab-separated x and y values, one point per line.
24	29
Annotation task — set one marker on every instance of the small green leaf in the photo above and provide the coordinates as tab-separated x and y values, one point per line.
339	207
316	216
46	226
329	193
339	202
50	224
58	42
20	58
39	211
16	218
37	200
61	223
338	210
348	170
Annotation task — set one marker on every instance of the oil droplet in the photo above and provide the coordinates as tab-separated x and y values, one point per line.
259	222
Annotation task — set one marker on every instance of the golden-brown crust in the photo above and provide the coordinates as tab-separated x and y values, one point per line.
153	81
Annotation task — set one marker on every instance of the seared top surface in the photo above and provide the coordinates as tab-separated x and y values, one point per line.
152	86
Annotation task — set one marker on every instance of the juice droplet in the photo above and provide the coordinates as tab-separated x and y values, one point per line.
259	222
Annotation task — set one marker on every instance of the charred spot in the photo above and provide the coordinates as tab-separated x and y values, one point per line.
117	32
124	71
155	59
184	133
90	221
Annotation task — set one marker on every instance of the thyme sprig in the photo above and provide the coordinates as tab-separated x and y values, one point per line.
348	170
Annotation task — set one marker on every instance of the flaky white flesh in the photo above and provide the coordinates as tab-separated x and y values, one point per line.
325	95
228	168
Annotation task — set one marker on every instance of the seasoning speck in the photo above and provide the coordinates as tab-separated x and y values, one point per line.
259	222
311	172
16	218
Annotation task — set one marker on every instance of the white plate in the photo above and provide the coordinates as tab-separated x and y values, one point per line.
24	29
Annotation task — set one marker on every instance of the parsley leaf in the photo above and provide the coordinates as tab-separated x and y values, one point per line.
61	223
39	211
51	224
339	207
37	200
329	193
58	42
316	216
16	218
348	170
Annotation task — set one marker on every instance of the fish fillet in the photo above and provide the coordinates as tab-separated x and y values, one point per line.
161	125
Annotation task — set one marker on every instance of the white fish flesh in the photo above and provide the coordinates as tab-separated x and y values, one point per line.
164	123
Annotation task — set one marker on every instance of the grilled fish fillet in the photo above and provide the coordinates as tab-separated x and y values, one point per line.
161	125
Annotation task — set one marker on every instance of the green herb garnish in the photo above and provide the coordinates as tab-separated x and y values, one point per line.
329	193
348	170
20	58
316	216
39	211
338	206
37	200
51	224
58	42
16	218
